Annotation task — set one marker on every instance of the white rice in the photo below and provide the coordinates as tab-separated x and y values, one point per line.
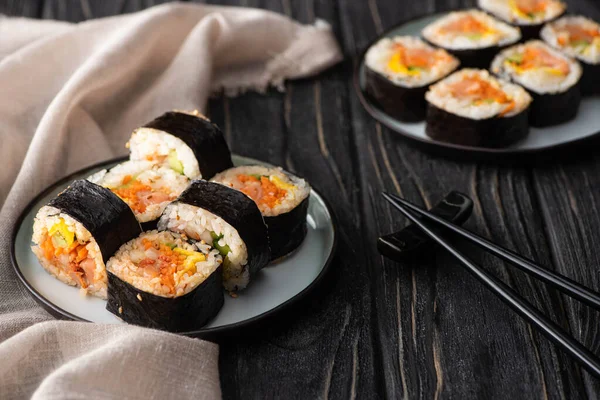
198	224
508	12
537	80
58	267
553	31
440	96
378	57
154	145
125	264
502	34
293	197
162	180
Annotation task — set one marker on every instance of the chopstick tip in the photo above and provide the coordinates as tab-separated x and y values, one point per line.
386	196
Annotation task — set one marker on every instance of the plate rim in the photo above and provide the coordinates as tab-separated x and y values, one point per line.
58	311
433	144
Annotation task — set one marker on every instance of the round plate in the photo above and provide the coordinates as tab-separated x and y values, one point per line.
274	287
584	126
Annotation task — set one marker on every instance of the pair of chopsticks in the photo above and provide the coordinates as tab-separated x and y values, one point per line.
426	221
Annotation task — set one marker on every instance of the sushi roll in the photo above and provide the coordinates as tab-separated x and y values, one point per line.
473	108
472	36
578	37
78	231
161	280
146	187
188	143
528	15
226	220
282	199
551	77
398	72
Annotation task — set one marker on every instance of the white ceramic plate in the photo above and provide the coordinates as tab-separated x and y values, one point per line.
276	285
584	126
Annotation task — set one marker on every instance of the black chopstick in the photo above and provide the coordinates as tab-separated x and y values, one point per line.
562	283
551	330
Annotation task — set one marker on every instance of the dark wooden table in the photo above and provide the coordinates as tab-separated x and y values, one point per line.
420	329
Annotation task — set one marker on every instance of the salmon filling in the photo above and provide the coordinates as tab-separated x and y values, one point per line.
164	263
140	196
538	58
168	262
61	247
411	61
468	25
574	35
266	191
529	8
478	90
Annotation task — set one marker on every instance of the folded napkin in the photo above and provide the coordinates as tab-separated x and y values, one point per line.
70	96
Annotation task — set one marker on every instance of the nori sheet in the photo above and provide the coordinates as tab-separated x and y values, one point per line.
179	314
554	108
239	211
590	80
475	58
490	132
402	103
288	230
529	32
108	218
202	136
149	225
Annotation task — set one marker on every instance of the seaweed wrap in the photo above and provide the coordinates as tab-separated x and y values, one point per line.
578	37
147	188
188	143
164	281
551	78
398	72
78	231
472	36
528	15
473	108
282	199
226	220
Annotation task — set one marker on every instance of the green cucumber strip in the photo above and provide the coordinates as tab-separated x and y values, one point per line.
224	250
515	59
578	43
175	164
258	176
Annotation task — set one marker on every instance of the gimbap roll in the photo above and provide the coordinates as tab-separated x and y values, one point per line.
578	37
282	199
77	232
528	15
472	36
146	187
398	72
551	77
473	108
161	280
188	143
226	220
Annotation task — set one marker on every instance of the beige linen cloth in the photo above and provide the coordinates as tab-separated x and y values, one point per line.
70	94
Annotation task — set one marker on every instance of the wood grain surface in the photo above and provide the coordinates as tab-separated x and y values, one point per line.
422	328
